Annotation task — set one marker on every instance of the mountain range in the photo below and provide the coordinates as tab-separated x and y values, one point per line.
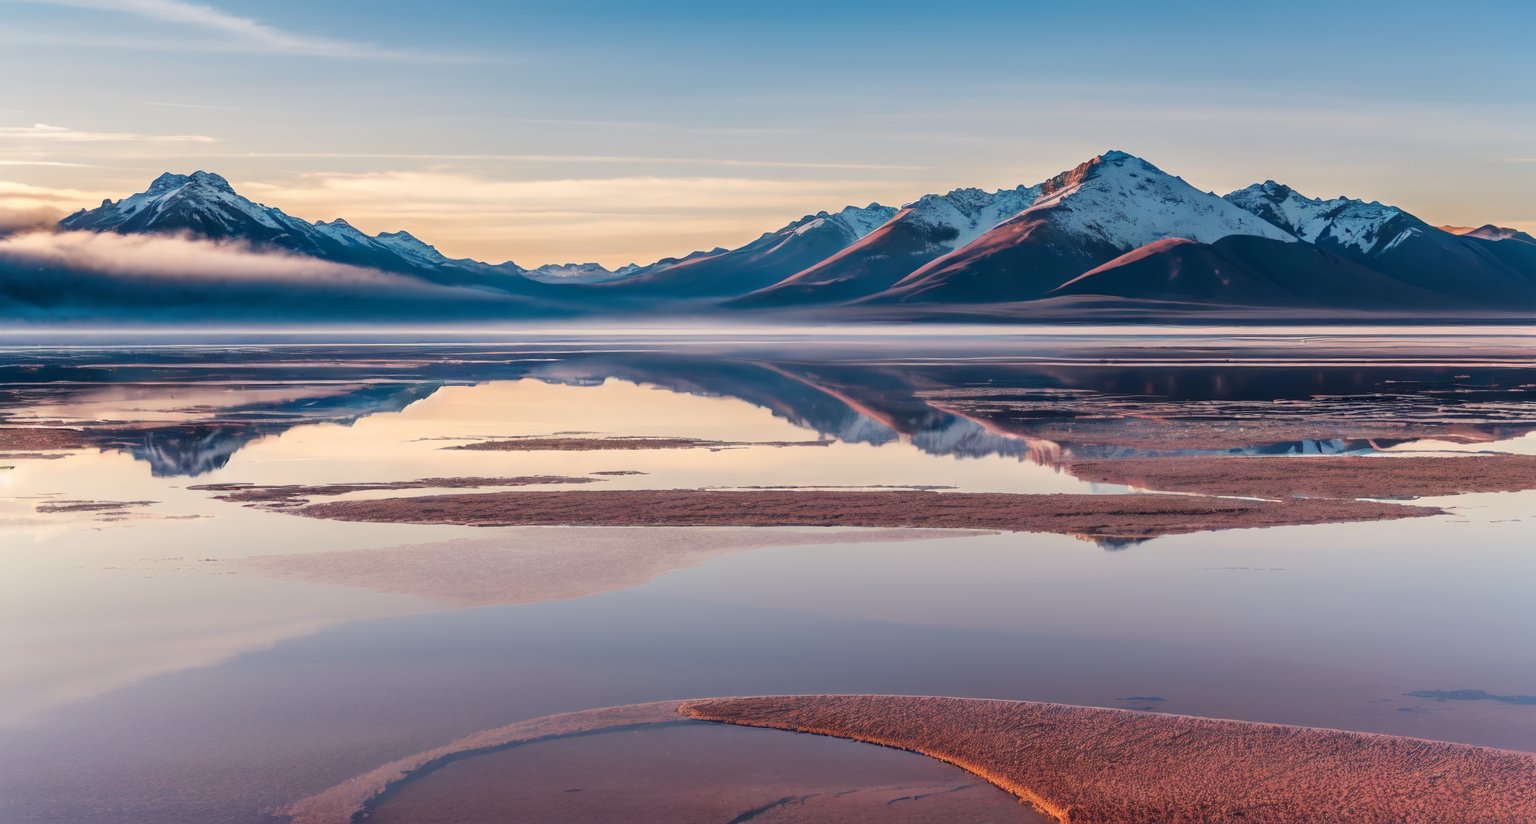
1113	231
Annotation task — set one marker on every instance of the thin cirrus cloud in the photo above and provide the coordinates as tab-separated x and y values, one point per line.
45	133
238	34
49	163
613	220
576	159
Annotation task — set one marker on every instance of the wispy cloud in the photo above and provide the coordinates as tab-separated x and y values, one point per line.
179	258
56	163
155	276
62	134
22	220
24	197
576	159
612	220
243	33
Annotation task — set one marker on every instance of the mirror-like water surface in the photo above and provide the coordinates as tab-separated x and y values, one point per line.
171	656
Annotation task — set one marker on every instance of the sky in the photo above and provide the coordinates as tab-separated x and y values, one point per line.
617	132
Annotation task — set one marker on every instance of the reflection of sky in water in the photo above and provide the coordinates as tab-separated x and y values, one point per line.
188	693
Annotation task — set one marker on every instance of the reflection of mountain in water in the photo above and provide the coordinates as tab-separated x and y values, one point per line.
193	450
198	449
1046	413
882	410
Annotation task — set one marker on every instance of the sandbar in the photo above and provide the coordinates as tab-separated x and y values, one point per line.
91	506
340	803
628	442
1347	476
37	439
1085	765
699	773
1095	516
298	493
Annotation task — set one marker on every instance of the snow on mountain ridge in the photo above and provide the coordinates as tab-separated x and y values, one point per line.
859	221
1347	222
969	212
575	273
1126	202
406	245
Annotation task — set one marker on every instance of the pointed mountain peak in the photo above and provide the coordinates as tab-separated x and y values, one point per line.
1095	167
166	182
212	181
170	181
1271	187
1489	231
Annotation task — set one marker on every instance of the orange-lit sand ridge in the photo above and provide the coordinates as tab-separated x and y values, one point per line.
1104	766
341	803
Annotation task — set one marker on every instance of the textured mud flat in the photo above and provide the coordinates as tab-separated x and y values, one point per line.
699	773
293	494
1086	765
567	444
56	507
33	439
1328	477
1099	516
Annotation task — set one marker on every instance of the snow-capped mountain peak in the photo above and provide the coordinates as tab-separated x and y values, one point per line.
1356	225
204	204
858	221
969	212
1124	201
406	245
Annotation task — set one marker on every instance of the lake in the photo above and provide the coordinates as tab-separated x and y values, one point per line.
174	655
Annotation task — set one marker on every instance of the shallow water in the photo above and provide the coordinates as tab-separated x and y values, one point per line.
151	674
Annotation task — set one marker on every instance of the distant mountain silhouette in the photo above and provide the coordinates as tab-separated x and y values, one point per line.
1113	238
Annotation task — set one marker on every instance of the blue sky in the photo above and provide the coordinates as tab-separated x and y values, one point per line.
618	131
